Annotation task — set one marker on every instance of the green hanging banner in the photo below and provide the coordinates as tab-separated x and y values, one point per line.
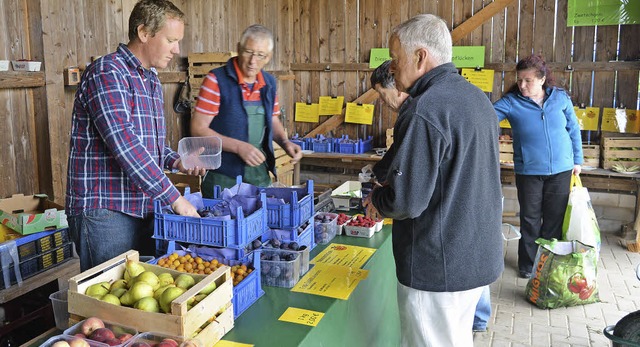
602	12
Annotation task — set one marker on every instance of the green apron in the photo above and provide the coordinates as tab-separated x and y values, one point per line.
256	175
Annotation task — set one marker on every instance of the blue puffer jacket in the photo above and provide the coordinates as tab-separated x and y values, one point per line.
546	140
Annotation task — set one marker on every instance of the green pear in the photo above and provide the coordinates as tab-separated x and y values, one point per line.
112	299
159	291
168	296
209	288
127	299
141	290
132	269
148	304
121	283
184	281
199	297
98	290
165	278
149	278
118	292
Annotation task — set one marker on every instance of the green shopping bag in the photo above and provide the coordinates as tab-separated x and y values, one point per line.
564	275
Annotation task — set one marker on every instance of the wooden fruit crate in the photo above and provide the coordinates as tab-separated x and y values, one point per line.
591	154
179	322
620	150
506	151
182	181
199	65
389	137
284	167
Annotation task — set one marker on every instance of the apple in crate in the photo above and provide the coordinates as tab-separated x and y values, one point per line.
91	324
78	342
103	335
168	343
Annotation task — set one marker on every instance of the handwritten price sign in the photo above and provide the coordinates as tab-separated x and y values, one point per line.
301	316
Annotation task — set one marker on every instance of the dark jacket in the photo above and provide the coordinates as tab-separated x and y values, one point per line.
232	119
444	191
546	140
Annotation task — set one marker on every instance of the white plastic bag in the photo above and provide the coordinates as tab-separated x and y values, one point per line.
580	221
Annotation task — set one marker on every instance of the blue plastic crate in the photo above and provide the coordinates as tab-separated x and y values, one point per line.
365	145
304	143
245	293
322	147
298	206
305	237
39	263
234	233
352	146
40	242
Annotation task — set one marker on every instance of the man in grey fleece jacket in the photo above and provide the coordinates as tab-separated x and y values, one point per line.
442	189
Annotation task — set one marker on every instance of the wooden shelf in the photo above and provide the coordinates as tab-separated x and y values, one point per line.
21	79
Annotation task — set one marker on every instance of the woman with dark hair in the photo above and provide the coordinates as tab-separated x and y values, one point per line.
547	150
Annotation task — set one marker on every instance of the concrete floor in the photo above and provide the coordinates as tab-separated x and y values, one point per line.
516	322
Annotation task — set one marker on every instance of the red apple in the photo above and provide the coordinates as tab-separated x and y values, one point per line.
140	344
78	342
102	334
170	342
90	324
112	342
124	337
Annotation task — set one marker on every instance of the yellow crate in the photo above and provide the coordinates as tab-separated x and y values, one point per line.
180	322
620	150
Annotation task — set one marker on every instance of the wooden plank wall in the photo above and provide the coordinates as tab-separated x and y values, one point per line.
64	33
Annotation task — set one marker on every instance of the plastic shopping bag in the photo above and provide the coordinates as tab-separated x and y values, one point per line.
564	275
580	221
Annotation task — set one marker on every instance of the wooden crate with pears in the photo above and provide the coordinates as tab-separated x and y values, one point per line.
201	310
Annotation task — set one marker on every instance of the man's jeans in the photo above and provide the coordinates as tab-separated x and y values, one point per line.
483	311
102	234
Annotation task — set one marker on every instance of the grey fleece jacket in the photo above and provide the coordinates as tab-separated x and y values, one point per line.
444	191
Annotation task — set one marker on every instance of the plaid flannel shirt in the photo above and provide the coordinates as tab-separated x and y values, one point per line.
117	146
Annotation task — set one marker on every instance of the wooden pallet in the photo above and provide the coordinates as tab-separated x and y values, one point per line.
199	65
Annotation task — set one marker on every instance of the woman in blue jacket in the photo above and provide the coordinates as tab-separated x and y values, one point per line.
547	149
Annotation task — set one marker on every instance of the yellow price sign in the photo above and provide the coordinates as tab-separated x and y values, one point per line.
301	316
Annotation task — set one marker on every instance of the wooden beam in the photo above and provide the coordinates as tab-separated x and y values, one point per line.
330	67
575	66
367	98
18	79
478	19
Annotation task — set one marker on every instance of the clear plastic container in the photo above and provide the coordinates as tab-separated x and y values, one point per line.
60	309
203	152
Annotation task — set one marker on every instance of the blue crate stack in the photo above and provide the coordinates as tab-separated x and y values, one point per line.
237	236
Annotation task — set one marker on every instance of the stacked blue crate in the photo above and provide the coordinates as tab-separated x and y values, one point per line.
290	213
235	235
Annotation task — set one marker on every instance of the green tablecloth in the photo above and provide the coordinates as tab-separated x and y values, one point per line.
368	318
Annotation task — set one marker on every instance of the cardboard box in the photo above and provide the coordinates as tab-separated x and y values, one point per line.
180	322
26	65
31	214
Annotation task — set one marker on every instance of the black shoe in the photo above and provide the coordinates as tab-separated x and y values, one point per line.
525	274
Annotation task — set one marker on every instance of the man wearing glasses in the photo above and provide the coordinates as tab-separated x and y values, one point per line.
239	104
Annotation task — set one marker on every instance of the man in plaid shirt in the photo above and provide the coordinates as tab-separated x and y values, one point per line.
117	148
